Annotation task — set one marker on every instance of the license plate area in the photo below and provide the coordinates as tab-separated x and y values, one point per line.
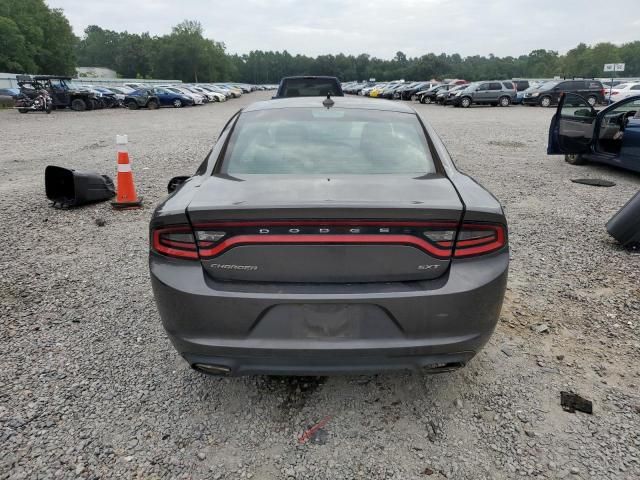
326	322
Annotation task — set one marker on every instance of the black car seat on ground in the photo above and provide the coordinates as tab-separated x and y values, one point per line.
68	188
624	226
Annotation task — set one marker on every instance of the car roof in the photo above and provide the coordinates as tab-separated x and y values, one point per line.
339	102
308	77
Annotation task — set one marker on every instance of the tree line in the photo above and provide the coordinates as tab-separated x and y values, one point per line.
37	39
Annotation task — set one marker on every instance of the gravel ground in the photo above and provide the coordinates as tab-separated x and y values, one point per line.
91	388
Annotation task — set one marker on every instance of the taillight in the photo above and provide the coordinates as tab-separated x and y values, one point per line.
175	241
435	238
479	239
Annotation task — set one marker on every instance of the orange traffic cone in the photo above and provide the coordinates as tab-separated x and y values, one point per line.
127	197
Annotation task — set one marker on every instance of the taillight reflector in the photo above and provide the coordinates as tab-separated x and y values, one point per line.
177	241
479	239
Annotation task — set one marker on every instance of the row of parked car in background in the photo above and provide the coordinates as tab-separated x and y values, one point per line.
502	92
47	93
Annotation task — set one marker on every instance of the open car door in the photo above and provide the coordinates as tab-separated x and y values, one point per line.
572	127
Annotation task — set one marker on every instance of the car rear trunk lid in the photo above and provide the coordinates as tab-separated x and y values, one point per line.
314	229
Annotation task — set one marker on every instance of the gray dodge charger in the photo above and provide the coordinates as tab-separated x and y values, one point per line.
328	236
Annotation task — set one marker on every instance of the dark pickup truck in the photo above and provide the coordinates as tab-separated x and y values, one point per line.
309	86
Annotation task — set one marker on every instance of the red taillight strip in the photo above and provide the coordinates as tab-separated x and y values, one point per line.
165	247
326	239
172	243
496	244
475	241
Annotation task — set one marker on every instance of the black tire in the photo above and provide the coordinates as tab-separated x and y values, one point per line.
132	105
153	105
545	101
49	108
465	102
23	110
177	103
575	159
78	105
592	100
427	99
504	101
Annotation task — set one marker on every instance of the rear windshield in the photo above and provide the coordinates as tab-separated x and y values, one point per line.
328	142
310	87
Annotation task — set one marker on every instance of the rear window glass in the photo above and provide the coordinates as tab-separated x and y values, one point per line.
309	87
508	85
327	141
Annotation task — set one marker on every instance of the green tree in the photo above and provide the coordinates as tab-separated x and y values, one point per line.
14	55
35	38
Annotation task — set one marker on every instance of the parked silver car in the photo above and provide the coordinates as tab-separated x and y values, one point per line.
328	235
494	92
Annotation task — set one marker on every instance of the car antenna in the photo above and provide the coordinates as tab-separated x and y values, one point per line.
327	102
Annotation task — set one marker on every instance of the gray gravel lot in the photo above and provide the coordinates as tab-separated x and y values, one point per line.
91	388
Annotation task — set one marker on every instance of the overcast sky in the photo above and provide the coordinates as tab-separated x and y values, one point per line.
377	27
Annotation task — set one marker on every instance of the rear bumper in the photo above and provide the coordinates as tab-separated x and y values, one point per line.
252	328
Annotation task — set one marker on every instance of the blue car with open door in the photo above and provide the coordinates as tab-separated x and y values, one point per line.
584	134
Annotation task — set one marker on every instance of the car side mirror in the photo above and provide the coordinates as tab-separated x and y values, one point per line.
175	182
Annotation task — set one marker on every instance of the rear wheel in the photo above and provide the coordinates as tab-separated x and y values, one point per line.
152	105
78	105
465	102
132	105
574	159
23	110
545	101
177	103
504	101
592	100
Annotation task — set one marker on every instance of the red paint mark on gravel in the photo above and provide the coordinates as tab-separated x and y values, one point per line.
309	433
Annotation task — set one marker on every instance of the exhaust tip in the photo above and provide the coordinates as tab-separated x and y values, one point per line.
211	369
